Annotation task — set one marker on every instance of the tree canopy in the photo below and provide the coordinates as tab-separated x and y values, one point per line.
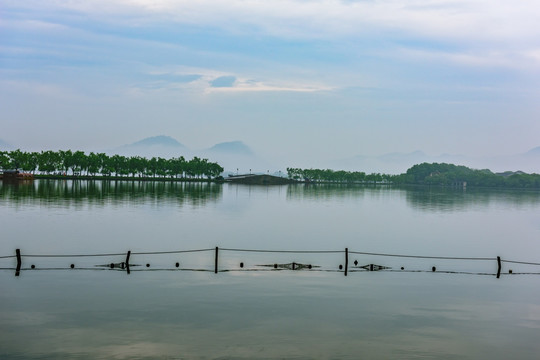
422	174
78	163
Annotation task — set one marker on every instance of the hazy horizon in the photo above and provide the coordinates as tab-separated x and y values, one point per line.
304	81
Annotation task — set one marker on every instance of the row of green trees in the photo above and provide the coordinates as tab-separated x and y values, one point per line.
79	163
423	174
449	174
340	176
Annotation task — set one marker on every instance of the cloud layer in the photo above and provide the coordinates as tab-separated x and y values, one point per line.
332	78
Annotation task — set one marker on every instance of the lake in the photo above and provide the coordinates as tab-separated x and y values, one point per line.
257	306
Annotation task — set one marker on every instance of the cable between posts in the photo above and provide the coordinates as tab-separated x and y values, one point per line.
285	251
520	262
423	257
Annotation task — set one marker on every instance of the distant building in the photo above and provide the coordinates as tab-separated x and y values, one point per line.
15	175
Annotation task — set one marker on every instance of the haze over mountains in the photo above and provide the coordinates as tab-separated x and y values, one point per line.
236	156
231	155
397	163
5	145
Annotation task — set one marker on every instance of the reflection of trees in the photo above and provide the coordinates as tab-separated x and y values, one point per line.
419	197
455	199
328	191
98	192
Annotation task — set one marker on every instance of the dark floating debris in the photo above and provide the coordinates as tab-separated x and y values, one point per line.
291	266
120	265
375	267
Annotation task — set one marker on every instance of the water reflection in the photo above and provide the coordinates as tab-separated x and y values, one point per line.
458	199
326	191
99	193
419	198
168	312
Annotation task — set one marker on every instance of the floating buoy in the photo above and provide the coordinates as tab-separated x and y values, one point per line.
309	266
434	269
402	268
355	262
33	266
241	264
177	264
340	267
72	266
147	265
112	266
510	271
275	266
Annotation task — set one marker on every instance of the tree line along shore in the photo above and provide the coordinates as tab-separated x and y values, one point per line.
440	174
78	164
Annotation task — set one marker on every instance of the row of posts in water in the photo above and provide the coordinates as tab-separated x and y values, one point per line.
126	264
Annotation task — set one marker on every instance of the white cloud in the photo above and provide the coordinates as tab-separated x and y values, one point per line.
488	20
469	33
204	81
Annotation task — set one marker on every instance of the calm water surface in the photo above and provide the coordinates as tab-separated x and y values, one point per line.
93	312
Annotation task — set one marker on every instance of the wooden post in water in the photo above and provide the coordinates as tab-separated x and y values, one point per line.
127	261
346	260
19	262
216	262
498	267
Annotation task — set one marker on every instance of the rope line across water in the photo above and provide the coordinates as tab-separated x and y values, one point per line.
286	251
170	252
423	257
520	262
71	255
272	251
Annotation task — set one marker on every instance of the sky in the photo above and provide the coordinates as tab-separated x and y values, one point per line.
294	79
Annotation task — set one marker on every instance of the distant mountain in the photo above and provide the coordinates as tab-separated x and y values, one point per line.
390	163
160	140
401	157
5	145
232	147
396	163
158	146
235	155
534	152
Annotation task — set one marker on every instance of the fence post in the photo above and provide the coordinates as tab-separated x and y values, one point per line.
19	262
216	262
127	261
346	260
498	267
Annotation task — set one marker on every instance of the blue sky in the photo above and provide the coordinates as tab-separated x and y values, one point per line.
296	79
